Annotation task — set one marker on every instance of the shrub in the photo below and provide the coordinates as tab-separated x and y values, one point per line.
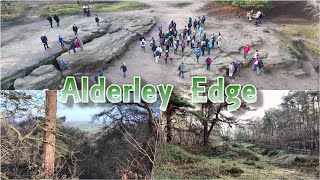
215	151
264	152
253	158
273	153
259	167
250	163
234	171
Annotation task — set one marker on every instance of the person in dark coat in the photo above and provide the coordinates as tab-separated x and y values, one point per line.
56	18
97	19
44	40
75	29
124	69
49	18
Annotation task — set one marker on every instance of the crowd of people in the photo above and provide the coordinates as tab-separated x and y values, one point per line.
192	36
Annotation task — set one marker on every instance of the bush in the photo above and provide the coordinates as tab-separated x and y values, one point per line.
215	151
259	167
177	154
273	153
234	171
253	158
250	163
264	152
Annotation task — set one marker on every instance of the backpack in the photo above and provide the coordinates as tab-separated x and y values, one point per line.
143	43
198	53
183	45
209	60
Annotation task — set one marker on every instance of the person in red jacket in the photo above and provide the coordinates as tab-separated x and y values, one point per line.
246	50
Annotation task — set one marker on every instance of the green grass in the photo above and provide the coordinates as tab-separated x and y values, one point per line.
11	11
174	162
289	43
267	4
71	9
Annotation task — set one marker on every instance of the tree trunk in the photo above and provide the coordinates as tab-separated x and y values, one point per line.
205	134
50	137
169	125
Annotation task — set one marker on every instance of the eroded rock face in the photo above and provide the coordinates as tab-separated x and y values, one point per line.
100	51
20	59
44	77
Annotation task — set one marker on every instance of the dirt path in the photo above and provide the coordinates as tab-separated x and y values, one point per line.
143	64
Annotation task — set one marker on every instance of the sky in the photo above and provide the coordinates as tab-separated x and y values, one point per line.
83	112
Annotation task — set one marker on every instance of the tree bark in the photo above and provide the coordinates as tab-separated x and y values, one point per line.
169	124
50	137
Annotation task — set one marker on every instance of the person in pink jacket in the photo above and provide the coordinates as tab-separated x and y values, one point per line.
246	50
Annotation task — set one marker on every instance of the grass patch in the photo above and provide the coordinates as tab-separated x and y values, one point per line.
312	48
250	163
266	4
306	30
176	154
12	10
71	9
292	45
234	171
273	153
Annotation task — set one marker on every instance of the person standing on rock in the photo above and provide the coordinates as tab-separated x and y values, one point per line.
124	69
203	19
157	55
72	46
201	30
213	38
143	45
166	56
56	18
63	65
61	41
160	50
44	40
80	43
188	40
208	61
49	18
184	32
75	29
246	50
203	46
198	54
209	47
231	69
181	69
195	23
97	19
183	45
219	40
152	42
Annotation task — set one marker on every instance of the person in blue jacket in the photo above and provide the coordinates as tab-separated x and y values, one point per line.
198	54
97	19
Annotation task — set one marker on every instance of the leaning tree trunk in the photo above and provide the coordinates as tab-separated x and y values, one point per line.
50	137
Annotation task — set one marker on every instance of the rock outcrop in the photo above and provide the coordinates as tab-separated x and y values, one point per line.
44	77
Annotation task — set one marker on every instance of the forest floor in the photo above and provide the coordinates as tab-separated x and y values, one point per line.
233	161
